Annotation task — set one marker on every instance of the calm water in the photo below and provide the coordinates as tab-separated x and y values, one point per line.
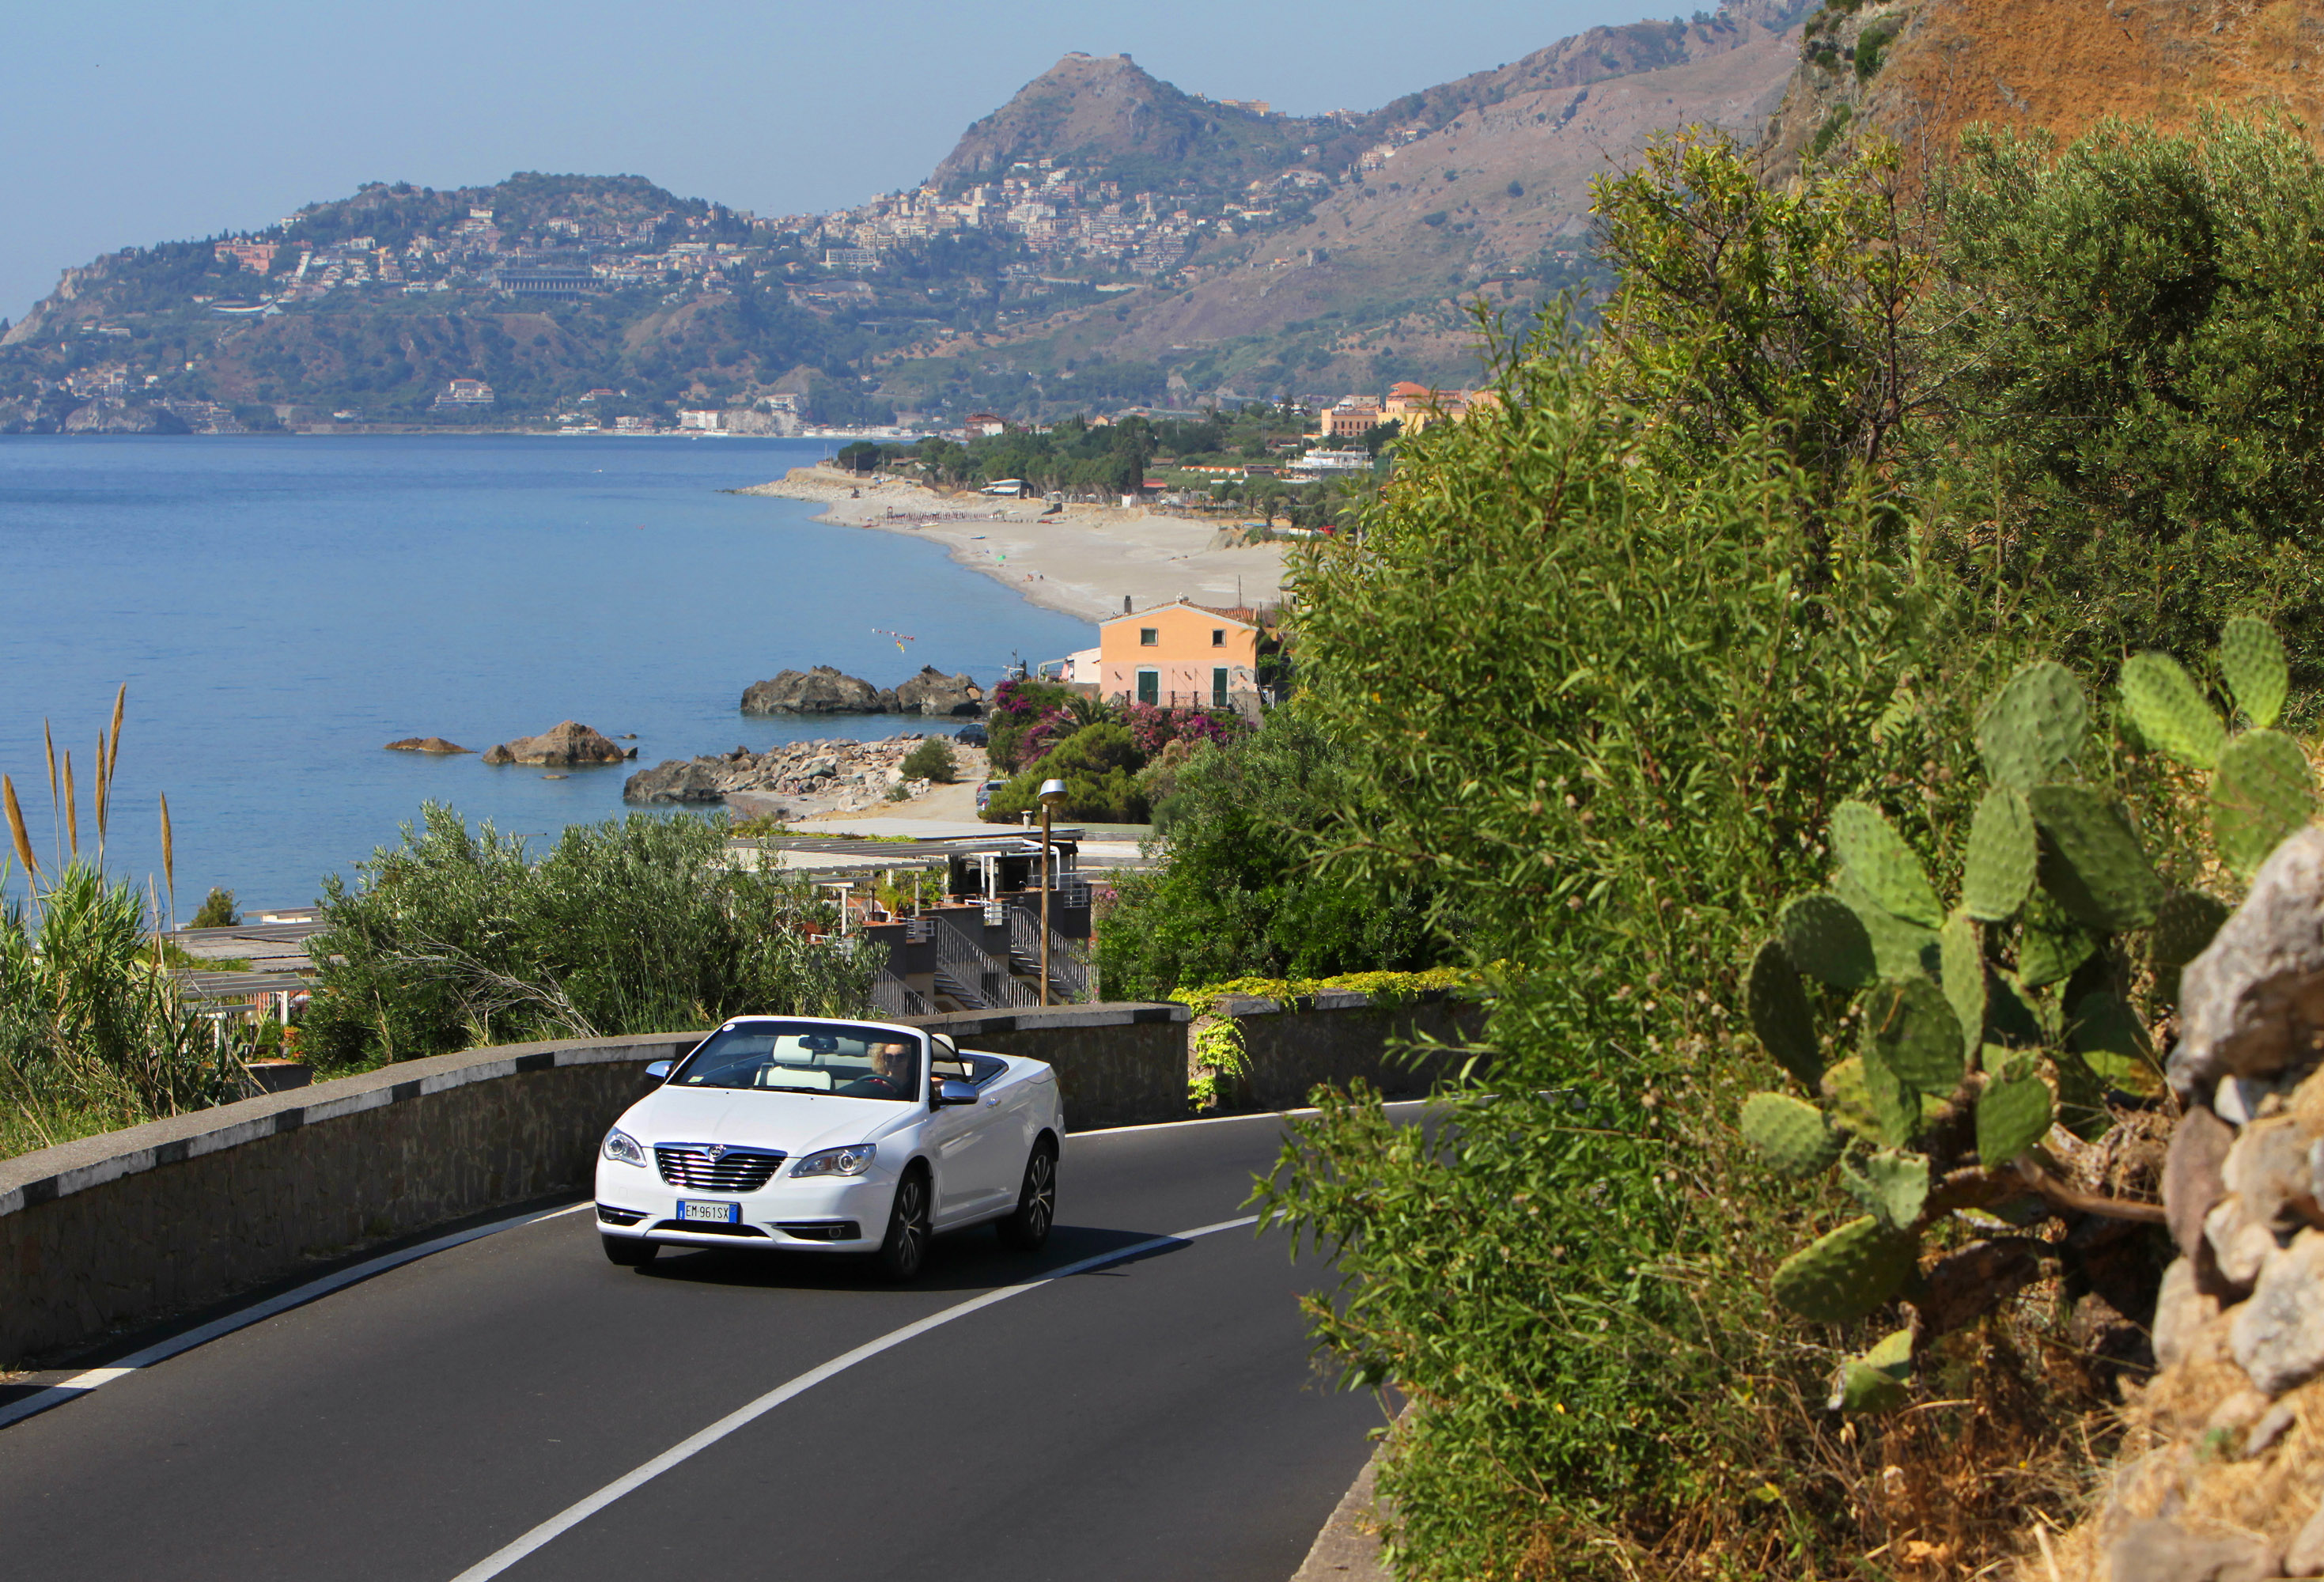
280	608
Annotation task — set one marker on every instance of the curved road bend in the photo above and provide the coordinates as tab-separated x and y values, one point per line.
1156	1418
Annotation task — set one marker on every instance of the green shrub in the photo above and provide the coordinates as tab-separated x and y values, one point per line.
456	939
1872	47
1600	710
1245	823
932	760
1099	765
217	911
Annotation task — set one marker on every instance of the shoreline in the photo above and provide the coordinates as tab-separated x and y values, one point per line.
1081	560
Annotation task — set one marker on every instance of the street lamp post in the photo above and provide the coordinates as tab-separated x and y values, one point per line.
1052	792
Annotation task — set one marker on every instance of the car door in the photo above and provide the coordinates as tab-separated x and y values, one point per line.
981	1146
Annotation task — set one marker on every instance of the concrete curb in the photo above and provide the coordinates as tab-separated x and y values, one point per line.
1347	1549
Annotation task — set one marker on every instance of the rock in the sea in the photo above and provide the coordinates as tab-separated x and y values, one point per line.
2253	1003
932	692
566	743
677	779
427	744
820	691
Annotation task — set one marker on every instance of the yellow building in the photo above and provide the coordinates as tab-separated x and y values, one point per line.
1181	656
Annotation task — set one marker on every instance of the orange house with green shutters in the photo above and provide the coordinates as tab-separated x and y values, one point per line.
1181	656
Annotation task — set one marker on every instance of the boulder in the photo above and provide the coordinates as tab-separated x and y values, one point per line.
2161	1550
932	692
2278	1336
820	691
677	779
2252	1005
566	743
427	744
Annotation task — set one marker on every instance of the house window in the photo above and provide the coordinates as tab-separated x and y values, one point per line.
1218	637
1219	689
1148	636
1149	687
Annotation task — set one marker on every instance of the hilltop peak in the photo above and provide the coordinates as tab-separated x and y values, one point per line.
1092	110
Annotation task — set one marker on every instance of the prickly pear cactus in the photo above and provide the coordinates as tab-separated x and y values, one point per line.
1793	1137
1984	1024
2260	790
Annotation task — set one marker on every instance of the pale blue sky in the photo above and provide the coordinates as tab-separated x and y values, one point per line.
132	122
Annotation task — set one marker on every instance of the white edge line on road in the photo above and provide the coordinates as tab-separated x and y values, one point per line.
572	1516
81	1384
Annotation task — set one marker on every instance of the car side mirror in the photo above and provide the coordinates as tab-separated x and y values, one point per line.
659	1071
952	1091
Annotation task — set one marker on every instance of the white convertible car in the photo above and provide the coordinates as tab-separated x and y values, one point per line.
803	1135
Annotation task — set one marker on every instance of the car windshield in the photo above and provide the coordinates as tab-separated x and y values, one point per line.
806	1057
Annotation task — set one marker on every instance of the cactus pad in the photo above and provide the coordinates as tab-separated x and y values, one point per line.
1877	857
2050	944
1893	1186
1780	1015
2251	659
2261	795
2092	863
1826	940
1899	949
1999	868
1849	1103
1911	1029
1963	962
1879	1380
2031	725
2012	1116
2170	711
1895	1105
1793	1137
1846	1274
2081	1097
2112	1041
2183	926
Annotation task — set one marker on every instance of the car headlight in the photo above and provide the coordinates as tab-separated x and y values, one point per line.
849	1161
621	1146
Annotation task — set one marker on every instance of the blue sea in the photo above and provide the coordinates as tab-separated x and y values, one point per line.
280	608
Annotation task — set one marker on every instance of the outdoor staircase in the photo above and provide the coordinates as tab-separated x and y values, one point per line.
1069	972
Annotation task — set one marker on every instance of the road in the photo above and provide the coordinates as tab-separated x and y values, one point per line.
1157	1416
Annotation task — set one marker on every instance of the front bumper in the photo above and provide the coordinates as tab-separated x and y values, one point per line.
822	1214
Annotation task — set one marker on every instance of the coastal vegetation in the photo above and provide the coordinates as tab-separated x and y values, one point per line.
1607	676
456	937
1116	760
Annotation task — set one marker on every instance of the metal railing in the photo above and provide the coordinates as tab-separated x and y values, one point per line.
966	972
1069	972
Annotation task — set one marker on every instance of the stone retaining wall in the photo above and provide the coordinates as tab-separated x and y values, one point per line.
1342	1038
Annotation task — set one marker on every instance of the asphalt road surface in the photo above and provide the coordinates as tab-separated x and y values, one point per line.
475	1412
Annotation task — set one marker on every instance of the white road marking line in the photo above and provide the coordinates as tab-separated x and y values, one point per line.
81	1384
572	1516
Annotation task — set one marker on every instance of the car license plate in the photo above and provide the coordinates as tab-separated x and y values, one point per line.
717	1213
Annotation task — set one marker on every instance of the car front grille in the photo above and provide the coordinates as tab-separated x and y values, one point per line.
708	1167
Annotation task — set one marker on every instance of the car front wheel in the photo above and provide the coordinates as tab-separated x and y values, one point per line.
905	1247
1036	1202
630	1252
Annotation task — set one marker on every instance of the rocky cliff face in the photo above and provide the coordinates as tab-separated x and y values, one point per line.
1918	72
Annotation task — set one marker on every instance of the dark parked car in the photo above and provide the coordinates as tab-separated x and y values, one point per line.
972	735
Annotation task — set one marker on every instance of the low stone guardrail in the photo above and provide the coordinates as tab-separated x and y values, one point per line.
1342	1037
123	1228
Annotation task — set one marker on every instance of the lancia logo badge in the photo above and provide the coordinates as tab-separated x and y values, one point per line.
716	1152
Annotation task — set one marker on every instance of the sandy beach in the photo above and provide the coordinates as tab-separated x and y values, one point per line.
1084	559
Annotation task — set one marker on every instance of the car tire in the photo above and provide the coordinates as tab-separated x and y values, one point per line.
905	1249
1036	1202
630	1252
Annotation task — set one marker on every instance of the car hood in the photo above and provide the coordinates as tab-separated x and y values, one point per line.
796	1123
